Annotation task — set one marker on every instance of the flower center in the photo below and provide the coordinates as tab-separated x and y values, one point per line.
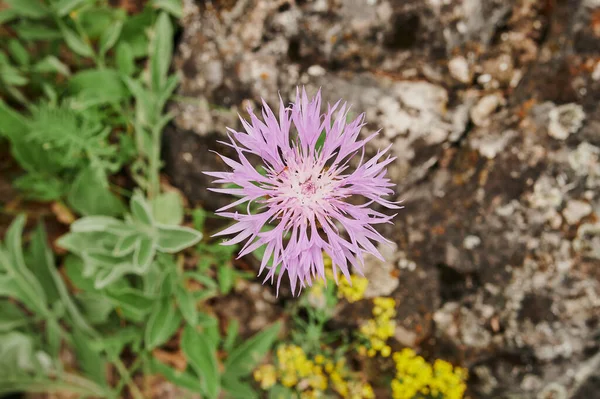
308	188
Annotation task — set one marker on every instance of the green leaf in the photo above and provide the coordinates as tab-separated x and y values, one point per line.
172	239
110	36
23	278
243	359
162	49
74	267
89	358
126	244
240	390
232	333
133	303
199	217
179	378
124	59
203	360
114	343
174	7
94	223
90	195
8	15
51	64
34	9
42	263
63	7
187	305
13	124
162	324
76	43
18	52
45	258
29	30
144	254
11	317
225	276
140	209
96	307
167	208
107	276
98	86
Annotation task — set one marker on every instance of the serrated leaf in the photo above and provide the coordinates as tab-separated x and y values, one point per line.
167	208
202	357
243	359
172	239
162	49
162	324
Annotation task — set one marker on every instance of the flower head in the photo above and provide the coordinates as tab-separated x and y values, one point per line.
305	189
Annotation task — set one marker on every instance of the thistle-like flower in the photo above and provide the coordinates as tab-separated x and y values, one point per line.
304	191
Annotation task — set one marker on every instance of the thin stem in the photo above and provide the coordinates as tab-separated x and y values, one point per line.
154	164
135	391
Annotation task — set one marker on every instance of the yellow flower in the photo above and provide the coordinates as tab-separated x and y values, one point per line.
266	375
354	290
414	375
379	329
386	351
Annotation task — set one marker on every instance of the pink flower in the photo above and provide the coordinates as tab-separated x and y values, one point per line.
305	191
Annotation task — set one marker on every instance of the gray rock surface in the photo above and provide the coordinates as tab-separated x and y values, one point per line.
493	110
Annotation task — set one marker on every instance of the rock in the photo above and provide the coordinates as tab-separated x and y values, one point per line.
498	158
382	281
576	210
459	69
565	120
481	112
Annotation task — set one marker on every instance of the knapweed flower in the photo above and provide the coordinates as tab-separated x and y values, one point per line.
305	190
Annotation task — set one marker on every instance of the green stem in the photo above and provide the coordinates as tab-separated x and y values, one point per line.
135	391
154	164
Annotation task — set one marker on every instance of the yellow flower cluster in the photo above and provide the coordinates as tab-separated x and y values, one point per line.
415	376
380	328
294	370
310	377
352	291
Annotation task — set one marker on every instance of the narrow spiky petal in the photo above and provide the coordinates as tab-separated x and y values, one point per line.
304	193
